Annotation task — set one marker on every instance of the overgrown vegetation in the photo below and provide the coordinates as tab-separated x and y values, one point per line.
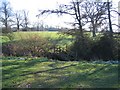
62	47
32	46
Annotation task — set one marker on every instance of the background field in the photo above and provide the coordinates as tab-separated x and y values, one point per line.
55	37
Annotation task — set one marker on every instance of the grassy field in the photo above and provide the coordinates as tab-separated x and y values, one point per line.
55	37
18	72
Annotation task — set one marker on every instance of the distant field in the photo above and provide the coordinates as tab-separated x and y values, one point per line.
47	34
60	39
19	72
19	35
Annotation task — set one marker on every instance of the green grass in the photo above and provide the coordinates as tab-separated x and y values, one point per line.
46	34
44	73
4	39
56	39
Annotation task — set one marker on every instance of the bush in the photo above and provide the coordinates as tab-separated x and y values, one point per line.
116	50
105	48
5	31
32	46
81	48
100	48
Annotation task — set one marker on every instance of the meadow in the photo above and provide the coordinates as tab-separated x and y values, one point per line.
55	37
23	72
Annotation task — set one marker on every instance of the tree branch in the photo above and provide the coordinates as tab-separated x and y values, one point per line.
116	12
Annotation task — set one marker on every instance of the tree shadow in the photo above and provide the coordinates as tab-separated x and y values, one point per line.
48	70
95	79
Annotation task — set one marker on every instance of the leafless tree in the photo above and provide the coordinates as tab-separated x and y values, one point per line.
18	16
96	14
25	20
72	9
109	18
84	12
112	10
6	13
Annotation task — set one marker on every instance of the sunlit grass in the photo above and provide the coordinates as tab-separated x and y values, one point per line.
46	34
54	37
4	39
44	73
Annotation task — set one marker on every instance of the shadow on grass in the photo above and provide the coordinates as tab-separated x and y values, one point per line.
99	78
61	77
15	67
49	70
35	61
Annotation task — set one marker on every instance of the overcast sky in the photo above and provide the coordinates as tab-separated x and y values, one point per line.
52	20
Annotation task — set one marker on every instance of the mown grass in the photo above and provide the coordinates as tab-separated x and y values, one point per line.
24	72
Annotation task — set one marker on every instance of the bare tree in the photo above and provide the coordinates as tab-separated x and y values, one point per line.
72	9
110	11
6	13
109	18
84	12
96	14
18	19
25	20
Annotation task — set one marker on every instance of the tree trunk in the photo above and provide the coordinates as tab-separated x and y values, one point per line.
18	27
94	29
109	17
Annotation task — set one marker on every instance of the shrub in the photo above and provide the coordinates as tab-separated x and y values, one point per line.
10	36
81	48
32	46
5	31
105	48
116	50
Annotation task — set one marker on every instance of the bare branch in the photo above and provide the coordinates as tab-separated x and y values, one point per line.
116	25
116	12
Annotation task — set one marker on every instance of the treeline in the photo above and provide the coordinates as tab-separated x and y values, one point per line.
95	14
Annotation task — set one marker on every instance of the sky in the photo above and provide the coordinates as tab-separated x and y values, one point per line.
52	20
34	5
